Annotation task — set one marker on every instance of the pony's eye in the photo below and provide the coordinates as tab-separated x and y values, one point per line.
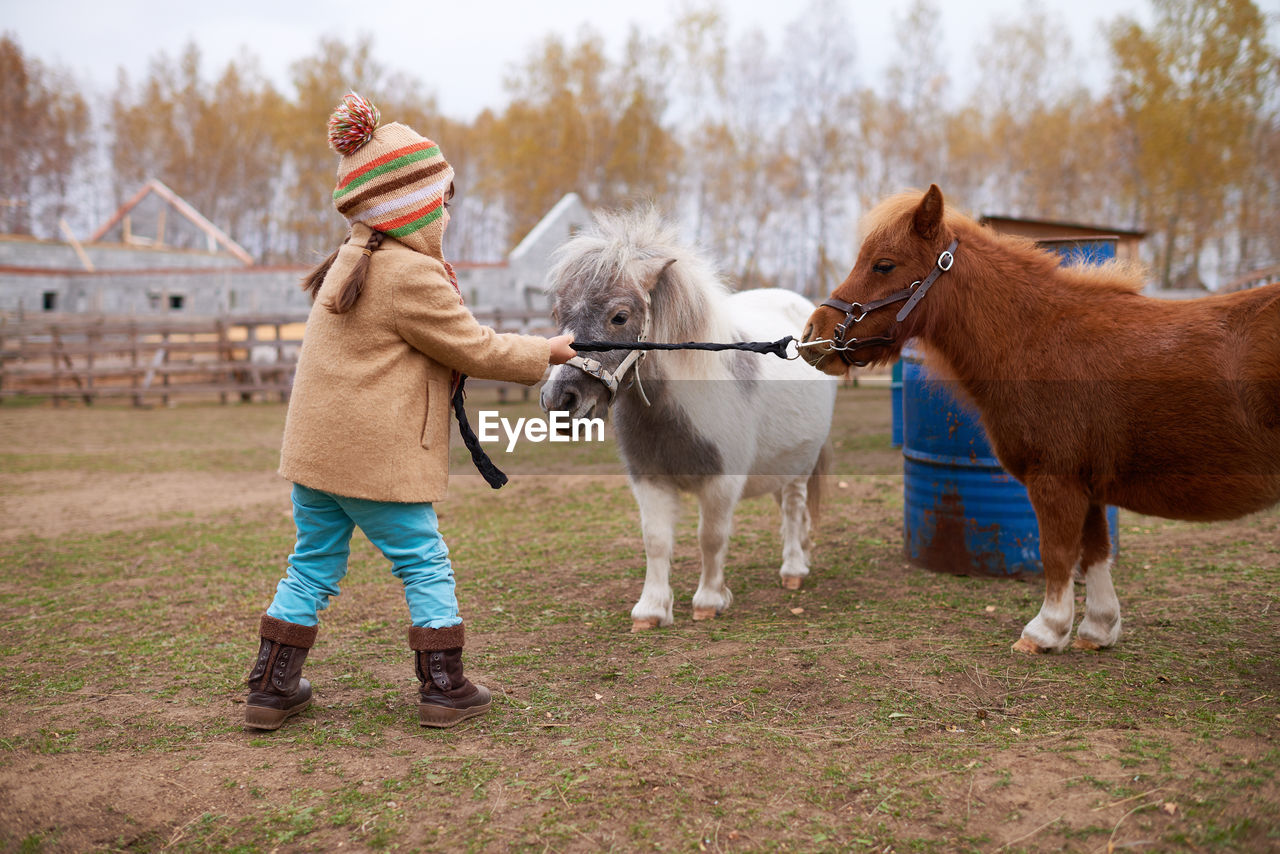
619	319
883	267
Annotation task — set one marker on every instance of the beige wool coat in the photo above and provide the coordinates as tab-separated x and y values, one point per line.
370	412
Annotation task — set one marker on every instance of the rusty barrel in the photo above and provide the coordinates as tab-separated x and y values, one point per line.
962	513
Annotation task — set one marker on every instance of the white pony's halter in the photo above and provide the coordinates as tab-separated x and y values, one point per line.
613	379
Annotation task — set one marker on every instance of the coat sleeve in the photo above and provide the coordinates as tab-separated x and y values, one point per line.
430	316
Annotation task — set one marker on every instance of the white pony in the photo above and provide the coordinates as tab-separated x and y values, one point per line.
721	425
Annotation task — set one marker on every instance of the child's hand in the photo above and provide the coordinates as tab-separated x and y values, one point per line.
561	352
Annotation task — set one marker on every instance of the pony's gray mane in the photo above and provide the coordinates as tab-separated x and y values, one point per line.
625	250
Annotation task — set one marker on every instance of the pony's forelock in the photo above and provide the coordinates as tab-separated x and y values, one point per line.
621	249
611	247
892	215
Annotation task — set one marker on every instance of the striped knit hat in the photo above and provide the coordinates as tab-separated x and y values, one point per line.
389	178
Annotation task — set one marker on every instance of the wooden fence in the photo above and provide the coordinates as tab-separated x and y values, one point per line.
148	359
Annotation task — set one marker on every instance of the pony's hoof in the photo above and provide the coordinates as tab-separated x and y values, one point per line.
1084	643
704	613
645	625
1028	646
792	582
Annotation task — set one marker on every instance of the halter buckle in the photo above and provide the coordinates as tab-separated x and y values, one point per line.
948	258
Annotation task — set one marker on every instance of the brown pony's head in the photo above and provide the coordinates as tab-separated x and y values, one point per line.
904	237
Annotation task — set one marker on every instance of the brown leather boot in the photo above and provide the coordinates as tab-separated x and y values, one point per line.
276	687
445	695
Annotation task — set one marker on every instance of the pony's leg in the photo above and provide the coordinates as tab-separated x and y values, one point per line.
715	524
1060	509
659	510
796	541
1101	624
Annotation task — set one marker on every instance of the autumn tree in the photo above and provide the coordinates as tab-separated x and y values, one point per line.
904	130
480	224
211	142
1032	140
644	157
1253	207
44	121
309	225
819	73
579	122
1192	88
765	144
738	171
548	140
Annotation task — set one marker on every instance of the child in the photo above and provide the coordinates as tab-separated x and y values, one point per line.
366	441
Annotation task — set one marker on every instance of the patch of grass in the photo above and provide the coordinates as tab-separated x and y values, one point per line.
877	707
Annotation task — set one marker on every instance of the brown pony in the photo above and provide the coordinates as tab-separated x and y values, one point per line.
1091	393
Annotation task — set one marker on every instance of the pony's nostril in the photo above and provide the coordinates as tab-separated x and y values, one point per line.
808	333
569	401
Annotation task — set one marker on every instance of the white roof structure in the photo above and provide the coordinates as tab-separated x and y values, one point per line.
126	219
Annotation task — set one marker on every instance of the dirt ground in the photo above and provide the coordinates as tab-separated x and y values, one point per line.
96	487
55	504
877	709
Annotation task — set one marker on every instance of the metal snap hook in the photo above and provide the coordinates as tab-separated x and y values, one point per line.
818	343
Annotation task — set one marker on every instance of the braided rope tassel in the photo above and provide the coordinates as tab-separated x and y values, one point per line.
490	472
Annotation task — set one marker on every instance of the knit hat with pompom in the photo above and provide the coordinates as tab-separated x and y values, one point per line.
390	178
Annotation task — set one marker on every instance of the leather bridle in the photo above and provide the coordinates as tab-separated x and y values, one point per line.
854	312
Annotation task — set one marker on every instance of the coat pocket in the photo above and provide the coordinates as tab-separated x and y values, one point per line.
435	427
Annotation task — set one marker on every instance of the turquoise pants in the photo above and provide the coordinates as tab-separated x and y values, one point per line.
406	534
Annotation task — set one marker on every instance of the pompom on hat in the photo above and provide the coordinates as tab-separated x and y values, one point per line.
390	178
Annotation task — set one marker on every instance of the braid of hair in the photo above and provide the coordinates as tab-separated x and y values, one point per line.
354	285
312	282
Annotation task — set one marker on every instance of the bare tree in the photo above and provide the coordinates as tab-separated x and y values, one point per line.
44	121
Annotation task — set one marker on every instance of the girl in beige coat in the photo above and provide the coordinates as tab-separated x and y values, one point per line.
366	441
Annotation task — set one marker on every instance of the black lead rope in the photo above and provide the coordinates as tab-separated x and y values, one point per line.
497	479
777	348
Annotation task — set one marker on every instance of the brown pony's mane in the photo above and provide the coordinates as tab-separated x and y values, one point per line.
891	218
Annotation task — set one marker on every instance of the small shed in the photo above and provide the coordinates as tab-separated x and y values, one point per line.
1127	239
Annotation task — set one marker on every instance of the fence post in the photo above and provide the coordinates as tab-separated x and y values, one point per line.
134	379
253	375
55	352
224	357
279	371
164	360
92	337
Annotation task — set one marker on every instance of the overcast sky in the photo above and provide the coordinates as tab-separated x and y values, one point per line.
461	49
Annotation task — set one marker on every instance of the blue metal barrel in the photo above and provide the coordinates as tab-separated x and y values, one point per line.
962	512
895	395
